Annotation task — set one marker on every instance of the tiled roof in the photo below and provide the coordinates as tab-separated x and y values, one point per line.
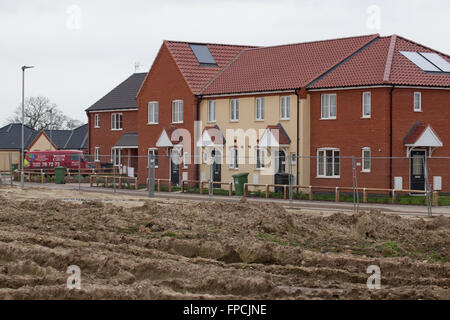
382	63
128	139
121	97
416	131
69	139
280	134
212	131
196	75
11	136
283	67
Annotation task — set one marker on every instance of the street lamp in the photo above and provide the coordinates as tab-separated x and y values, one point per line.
22	176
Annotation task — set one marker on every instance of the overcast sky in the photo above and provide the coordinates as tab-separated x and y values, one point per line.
82	49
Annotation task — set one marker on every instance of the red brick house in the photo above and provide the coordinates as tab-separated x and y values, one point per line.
113	126
167	101
390	99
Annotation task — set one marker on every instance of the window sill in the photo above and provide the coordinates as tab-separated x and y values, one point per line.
365	171
117	129
322	177
328	119
234	121
285	119
234	169
96	127
152	123
366	118
259	120
181	122
212	121
418	111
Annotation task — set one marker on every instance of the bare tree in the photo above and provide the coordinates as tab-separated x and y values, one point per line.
41	114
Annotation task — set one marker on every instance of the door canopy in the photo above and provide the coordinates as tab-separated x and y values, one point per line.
422	135
165	139
211	137
274	137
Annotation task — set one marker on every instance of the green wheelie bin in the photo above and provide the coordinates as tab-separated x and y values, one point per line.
239	180
60	174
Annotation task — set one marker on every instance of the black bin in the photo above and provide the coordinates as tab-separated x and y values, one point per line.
282	179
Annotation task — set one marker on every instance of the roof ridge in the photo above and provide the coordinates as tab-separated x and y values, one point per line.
211	43
70	137
390	58
421	45
316	41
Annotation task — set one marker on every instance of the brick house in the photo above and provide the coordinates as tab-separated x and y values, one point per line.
391	99
112	123
168	101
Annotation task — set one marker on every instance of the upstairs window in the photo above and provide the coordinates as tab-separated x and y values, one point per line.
234	110
116	121
212	111
260	109
97	120
417	101
177	111
153	112
285	106
328	108
367	105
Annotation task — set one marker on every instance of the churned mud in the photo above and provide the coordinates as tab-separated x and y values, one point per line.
166	249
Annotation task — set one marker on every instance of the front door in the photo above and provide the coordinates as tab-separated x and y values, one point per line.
217	167
417	170
175	167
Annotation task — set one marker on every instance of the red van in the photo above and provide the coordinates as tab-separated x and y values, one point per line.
59	158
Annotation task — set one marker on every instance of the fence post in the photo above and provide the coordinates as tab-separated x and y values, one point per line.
42	176
182	186
200	187
267	191
91	178
285	192
159	185
11	169
337	193
230	189
170	186
364	195
245	189
310	193
106	181
436	198
393	196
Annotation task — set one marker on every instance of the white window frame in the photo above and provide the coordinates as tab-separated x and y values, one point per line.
212	113
363	158
97	154
97	121
285	108
259	158
177	111
153	112
234	157
259	111
364	95
417	94
234	110
155	153
115	121
116	154
327	106
333	158
185	160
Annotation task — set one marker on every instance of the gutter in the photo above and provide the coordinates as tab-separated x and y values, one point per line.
298	134
197	118
390	135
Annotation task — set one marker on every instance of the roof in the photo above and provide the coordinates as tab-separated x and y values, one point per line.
167	139
121	97
422	135
381	63
284	67
11	136
211	136
277	137
197	75
128	140
69	139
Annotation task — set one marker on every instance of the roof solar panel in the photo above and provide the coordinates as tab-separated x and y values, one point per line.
420	61
203	54
437	60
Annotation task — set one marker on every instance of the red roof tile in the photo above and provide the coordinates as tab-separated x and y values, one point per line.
382	63
198	76
280	134
283	67
415	133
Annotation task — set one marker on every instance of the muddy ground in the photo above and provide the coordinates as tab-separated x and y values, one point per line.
133	248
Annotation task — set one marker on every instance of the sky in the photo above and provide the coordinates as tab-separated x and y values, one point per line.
83	49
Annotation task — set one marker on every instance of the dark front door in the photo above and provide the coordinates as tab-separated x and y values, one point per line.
175	167
217	167
417	170
281	162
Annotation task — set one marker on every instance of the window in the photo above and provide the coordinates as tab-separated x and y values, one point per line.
97	120
366	159
212	110
259	158
328	106
185	160
234	158
153	112
177	111
259	109
234	110
154	153
328	163
97	154
417	101
366	108
285	106
116	121
116	157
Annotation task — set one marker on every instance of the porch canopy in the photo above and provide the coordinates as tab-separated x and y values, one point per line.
165	139
129	140
274	137
211	137
422	135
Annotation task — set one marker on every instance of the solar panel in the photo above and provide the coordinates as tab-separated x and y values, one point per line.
420	61
437	60
203	54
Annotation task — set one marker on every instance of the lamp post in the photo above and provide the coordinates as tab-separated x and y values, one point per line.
22	177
